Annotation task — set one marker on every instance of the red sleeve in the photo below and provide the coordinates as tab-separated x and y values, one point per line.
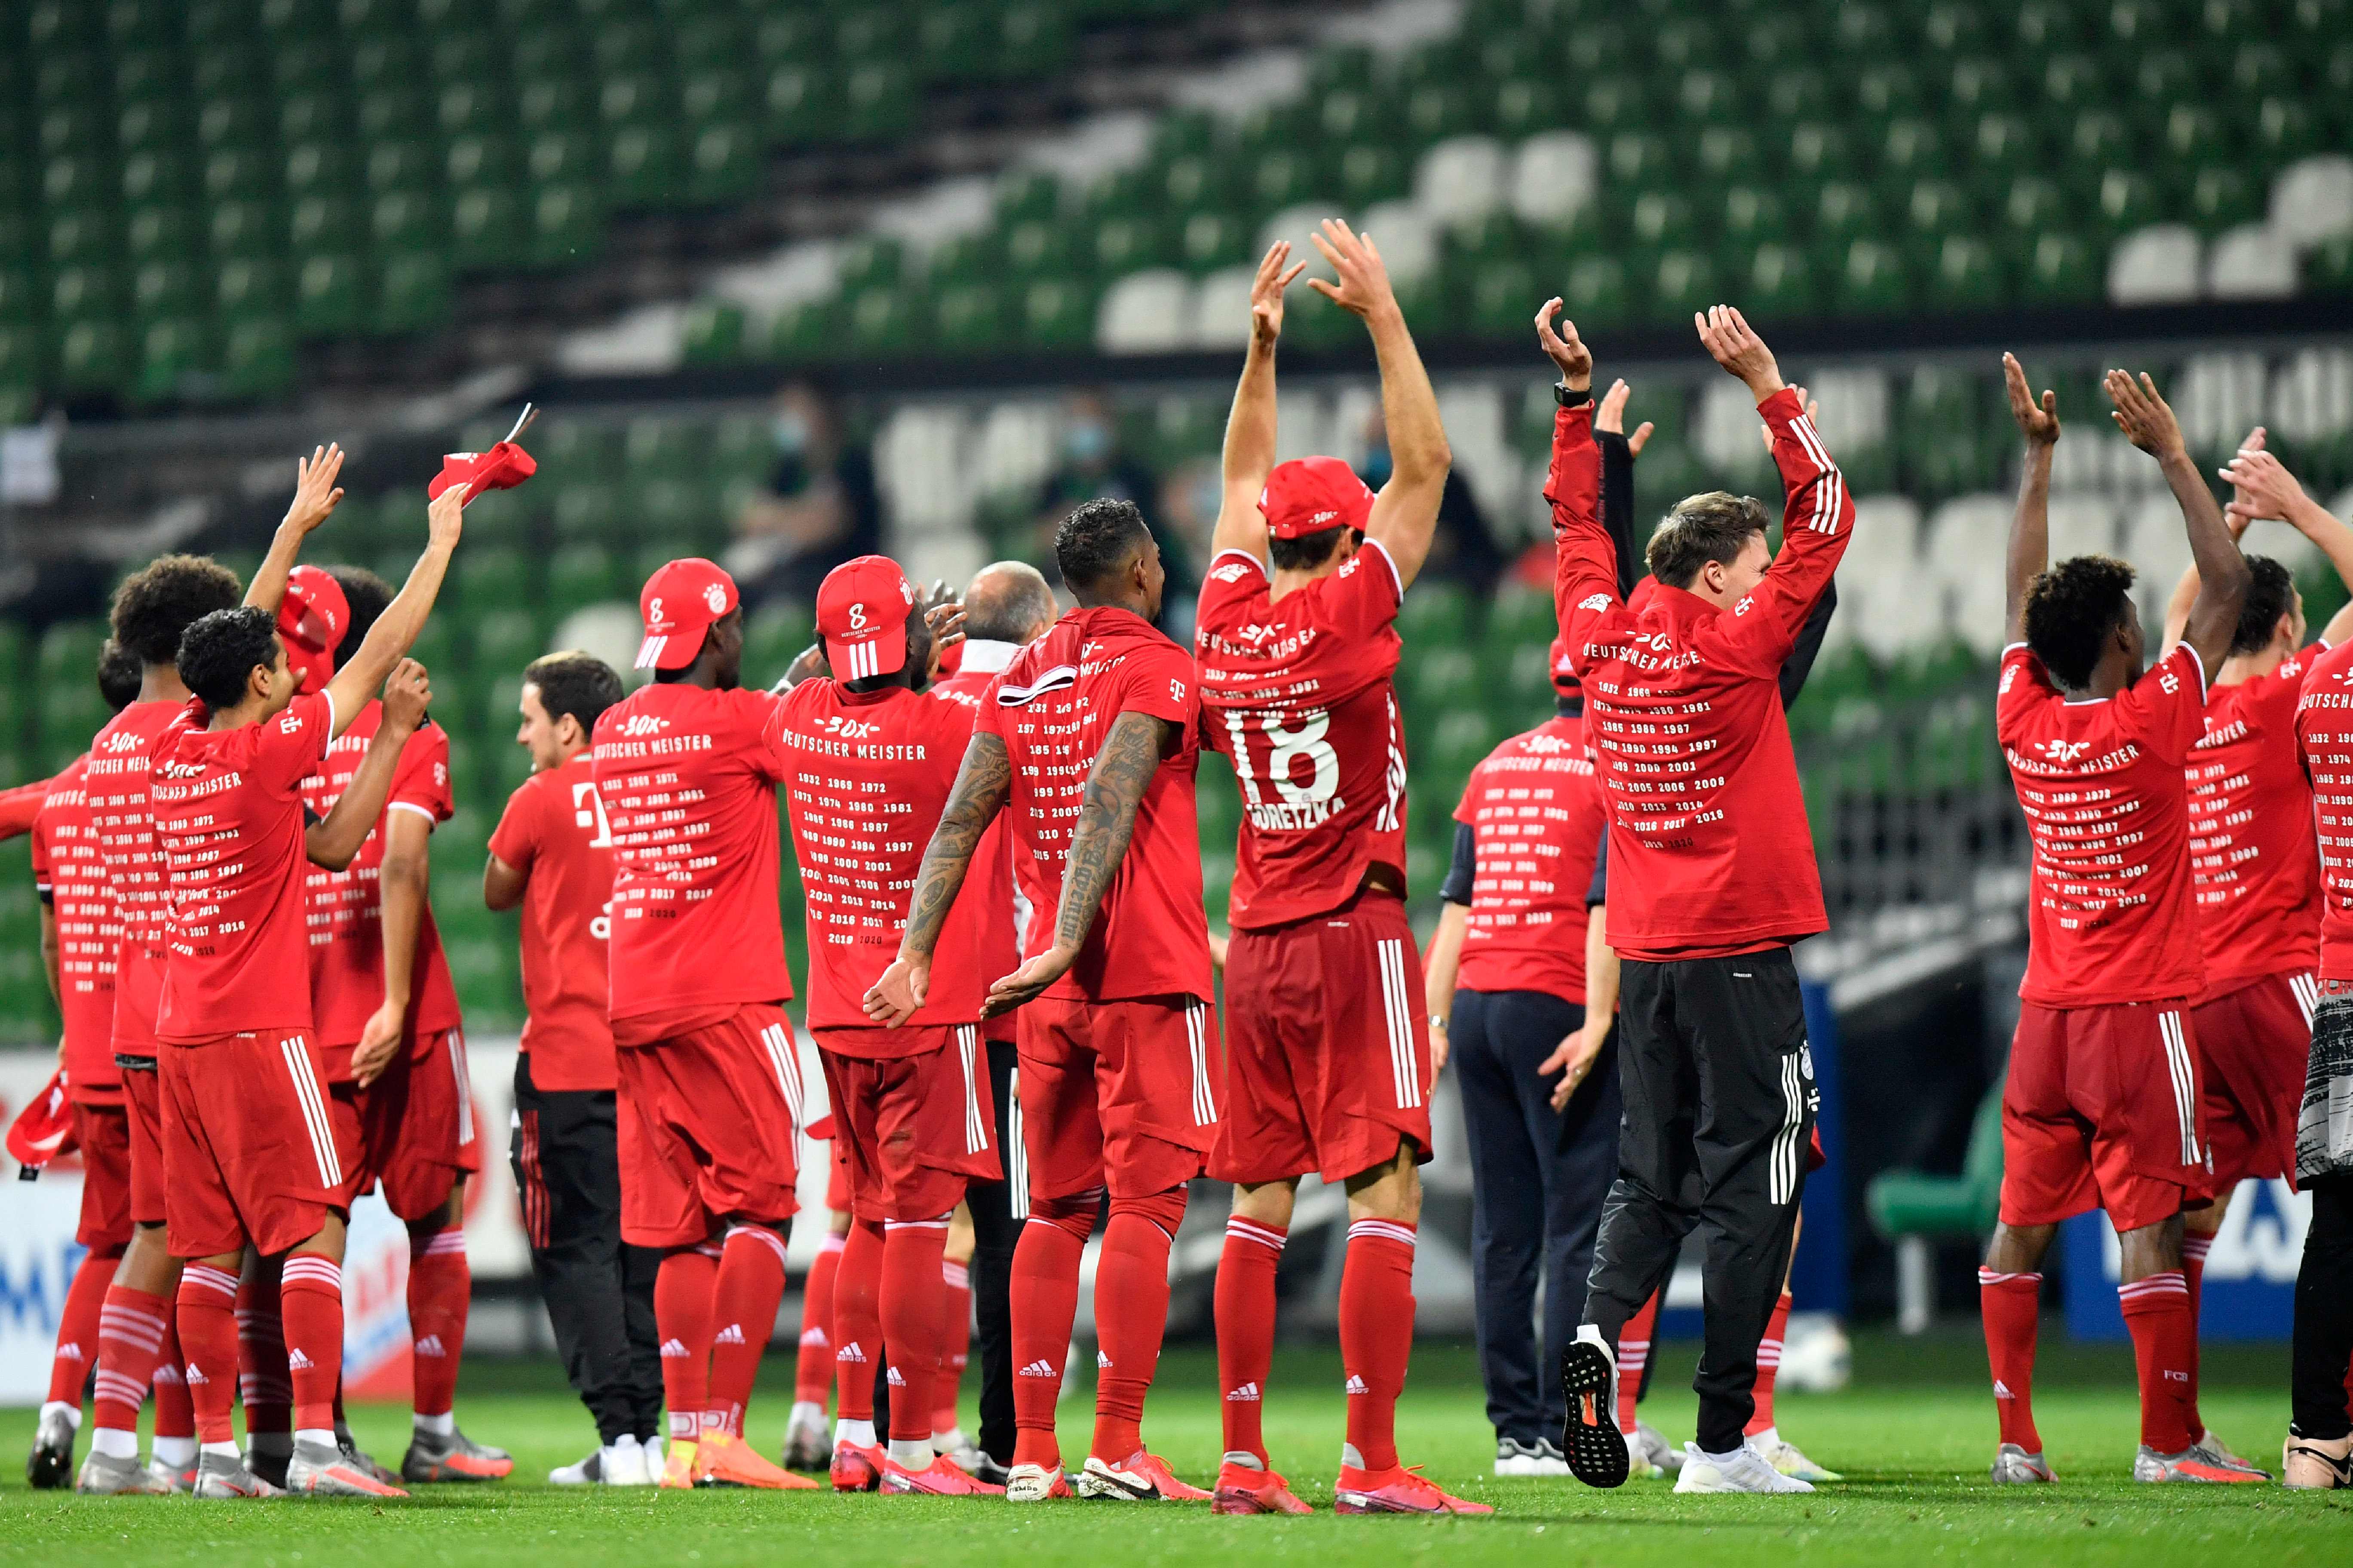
1817	520
420	781
20	806
1463	812
2024	686
292	746
1584	568
2165	710
764	714
515	840
42	882
1158	679
987	713
1235	577
1363	596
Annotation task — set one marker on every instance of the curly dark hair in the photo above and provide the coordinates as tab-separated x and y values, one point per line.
573	682
367	594
164	599
218	654
1096	539
2071	608
2270	595
1712	526
1308	551
119	675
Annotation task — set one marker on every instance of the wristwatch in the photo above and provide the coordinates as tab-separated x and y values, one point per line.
1571	398
1437	1022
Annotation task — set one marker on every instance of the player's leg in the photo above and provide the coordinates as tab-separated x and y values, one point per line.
1507	1233
1060	1170
744	1295
103	1229
914	1343
996	1231
2319	1448
1578	1152
858	1343
682	1309
806	1446
440	1288
1244	1307
265	1385
956	1308
662	1211
1764	1433
136	1313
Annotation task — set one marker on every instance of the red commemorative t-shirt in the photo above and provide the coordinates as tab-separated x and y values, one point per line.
1536	815
71	878
228	817
2251	851
1297	695
2111	915
555	832
869	774
688	777
345	914
21	806
115	784
2323	738
1004	914
1053	707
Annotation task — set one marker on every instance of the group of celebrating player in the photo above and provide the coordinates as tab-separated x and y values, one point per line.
1006	859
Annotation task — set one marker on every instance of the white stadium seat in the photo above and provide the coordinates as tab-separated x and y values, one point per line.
1145	312
1460	180
2155	266
2312	396
1296	223
1221	310
1553	177
1406	237
1897	611
1886	539
2158	548
2312	200
2283	544
2250	262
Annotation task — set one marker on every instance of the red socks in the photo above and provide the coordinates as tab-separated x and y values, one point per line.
1375	1337
813	1376
858	1322
1768	1366
131	1330
1633	1355
207	1330
913	1331
2165	1349
262	1379
682	1289
78	1326
956	1280
175	1416
439	1285
2194	1249
744	1310
1245	1320
1131	1315
2011	1305
311	1306
1043	1296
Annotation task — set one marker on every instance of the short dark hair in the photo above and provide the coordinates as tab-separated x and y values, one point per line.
1096	541
1712	526
164	599
573	682
2270	595
218	654
367	594
119	675
2071	610
1308	551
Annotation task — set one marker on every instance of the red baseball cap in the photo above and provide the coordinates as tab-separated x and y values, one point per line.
861	613
44	1129
681	602
1564	676
311	618
1308	495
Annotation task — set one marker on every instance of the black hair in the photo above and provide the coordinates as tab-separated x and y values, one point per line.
1308	551
1712	526
2270	595
218	656
2071	609
119	675
164	599
573	682
368	596
1096	539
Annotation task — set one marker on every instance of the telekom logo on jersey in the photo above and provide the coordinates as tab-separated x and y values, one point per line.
589	811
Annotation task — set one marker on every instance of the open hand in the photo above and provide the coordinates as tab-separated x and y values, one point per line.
1564	348
1611	417
445	516
379	1042
408	692
2144	417
946	622
1363	286
1028	982
2260	488
895	998
1733	343
315	492
2038	423
1266	293
1573	1060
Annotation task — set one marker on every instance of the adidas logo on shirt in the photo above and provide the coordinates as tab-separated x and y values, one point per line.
851	1352
1037	1369
733	1334
430	1345
1357	1384
295	1360
674	1347
1247	1393
1103	1362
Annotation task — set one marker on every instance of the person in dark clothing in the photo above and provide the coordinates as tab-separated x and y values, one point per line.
1463	550
821	506
1094	467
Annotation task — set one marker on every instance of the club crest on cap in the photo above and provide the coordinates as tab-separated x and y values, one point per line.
716	597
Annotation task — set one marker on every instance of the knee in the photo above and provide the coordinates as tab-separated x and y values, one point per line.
1164	1209
1073	1215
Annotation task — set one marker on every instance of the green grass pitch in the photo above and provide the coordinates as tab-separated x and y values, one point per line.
1914	1436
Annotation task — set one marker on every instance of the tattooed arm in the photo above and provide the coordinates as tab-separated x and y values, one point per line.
1107	821
983	782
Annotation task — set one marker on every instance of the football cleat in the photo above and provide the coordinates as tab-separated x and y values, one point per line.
51	1464
1638	1464
965	1455
1396	1491
1245	1489
103	1475
1783	1456
678	1465
318	1470
1035	1483
1540	1458
942	1478
2014	1467
2189	1465
806	1445
1139	1478
218	1475
2309	1464
856	1467
172	1475
1742	1471
2217	1452
1589	1378
1666	1459
455	1458
723	1460
359	1459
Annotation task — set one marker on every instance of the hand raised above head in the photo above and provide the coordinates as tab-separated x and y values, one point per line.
2038	423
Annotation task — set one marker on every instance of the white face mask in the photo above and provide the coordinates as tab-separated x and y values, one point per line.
792	433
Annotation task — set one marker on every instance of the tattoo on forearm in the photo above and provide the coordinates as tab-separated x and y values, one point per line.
1107	820
981	787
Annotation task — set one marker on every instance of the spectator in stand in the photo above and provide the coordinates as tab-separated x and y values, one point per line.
1095	469
819	509
1463	551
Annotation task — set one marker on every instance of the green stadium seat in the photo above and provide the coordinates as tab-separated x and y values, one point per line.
92	357
172	350
413	292
1369	174
486	229
1662	218
1057	313
2061	270
1684	282
1965	276
1796	94
169	232
1596	293
566	225
1781	283
2127	200
330	294
257	360
643	165
1872	279
2032	205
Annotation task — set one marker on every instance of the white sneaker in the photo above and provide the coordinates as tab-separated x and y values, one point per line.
625	1463
1540	1458
808	1446
1784	1457
1034	1483
582	1472
1666	1459
1638	1464
1742	1471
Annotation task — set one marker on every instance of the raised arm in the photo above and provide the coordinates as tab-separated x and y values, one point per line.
1405	513
2266	489
983	782
1249	428
396	630
1106	822
1618	451
1816	512
2222	575
2236	517
334	841
2030	526
315	495
1584	568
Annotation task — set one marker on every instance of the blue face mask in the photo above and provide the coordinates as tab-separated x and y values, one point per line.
791	432
1086	441
1376	468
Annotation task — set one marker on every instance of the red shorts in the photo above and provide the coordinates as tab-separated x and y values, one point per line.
1118	1094
2253	1046
142	1108
2101	1110
103	1134
708	1129
911	1130
1328	1046
837	1177
414	1127
250	1154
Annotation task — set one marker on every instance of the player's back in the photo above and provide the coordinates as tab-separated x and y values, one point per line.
2252	854
1536	817
116	785
2112	917
1297	693
555	829
1001	915
72	877
2324	731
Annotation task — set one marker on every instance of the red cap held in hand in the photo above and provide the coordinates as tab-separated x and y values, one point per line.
502	467
1308	495
44	1129
861	613
680	603
311	618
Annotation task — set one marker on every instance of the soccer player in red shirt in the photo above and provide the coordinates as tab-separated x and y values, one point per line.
251	1152
1088	737
552	855
2101	1106
1327	1065
709	1076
